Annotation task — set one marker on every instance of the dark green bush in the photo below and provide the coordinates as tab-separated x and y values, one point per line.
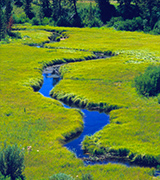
148	84
156	29
46	21
35	21
16	35
63	21
12	162
61	176
114	20
134	24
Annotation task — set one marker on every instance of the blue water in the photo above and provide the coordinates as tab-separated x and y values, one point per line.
48	84
93	120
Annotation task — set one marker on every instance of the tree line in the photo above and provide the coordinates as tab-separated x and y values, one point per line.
128	15
5	17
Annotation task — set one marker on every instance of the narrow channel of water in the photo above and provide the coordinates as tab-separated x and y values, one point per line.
93	122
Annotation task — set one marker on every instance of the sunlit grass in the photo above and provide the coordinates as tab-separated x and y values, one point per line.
29	119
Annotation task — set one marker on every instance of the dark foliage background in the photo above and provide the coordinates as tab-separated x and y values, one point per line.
129	15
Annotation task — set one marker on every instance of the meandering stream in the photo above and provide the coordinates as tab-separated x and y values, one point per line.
93	121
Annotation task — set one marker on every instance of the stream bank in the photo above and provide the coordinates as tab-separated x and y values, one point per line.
86	158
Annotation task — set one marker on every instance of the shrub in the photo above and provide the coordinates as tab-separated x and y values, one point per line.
63	21
114	20
130	25
35	21
16	35
61	176
54	37
12	162
46	21
20	18
148	84
156	29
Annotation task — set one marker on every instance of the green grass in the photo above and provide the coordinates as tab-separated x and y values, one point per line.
29	119
109	84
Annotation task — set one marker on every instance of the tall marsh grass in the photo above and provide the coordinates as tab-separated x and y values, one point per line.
29	119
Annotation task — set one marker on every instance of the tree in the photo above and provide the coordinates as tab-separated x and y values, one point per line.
74	18
1	21
18	3
106	9
5	15
127	9
125	2
11	161
65	12
46	8
8	11
149	10
28	9
73	4
3	2
57	9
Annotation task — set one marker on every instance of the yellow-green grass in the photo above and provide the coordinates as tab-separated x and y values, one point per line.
109	84
29	119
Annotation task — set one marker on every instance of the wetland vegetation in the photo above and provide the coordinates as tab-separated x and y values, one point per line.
40	126
29	119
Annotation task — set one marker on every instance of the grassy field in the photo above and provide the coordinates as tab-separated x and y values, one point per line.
29	119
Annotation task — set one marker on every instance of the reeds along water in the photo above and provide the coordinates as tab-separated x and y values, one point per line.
93	120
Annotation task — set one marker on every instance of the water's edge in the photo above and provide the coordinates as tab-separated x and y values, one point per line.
93	121
51	78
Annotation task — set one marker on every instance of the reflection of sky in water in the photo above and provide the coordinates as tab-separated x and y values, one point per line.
93	122
48	84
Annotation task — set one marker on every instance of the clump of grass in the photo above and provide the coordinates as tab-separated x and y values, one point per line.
87	176
80	102
61	176
148	84
33	120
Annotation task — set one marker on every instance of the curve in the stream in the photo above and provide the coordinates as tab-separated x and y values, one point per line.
93	122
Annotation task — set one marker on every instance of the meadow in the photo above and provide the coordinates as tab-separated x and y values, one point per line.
29	119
